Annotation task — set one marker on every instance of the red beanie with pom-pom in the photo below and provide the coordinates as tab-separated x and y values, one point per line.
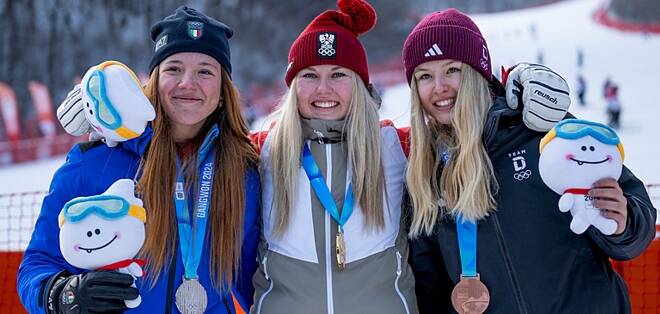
331	38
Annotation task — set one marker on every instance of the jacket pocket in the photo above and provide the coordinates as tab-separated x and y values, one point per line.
264	263
396	282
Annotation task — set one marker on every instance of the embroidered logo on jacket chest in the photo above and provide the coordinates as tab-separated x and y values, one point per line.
520	171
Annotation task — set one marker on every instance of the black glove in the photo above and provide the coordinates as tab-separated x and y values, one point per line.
92	292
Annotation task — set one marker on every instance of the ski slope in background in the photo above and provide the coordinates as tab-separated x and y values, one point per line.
630	59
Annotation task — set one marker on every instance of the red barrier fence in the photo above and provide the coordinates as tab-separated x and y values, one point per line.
601	16
642	275
36	148
19	211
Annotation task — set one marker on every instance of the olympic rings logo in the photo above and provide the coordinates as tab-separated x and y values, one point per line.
522	175
326	51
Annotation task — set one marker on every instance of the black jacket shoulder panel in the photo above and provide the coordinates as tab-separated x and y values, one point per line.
85	146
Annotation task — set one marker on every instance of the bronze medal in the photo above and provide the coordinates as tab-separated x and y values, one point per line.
341	251
470	296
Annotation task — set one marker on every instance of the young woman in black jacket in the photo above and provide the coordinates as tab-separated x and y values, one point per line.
474	162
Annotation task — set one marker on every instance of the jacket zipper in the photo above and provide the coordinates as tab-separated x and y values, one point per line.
328	237
270	287
396	282
509	267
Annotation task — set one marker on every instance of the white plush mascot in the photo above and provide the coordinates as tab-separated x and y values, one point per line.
575	154
113	105
105	231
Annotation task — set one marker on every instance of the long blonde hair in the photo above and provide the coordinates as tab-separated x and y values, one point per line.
234	155
362	130
467	180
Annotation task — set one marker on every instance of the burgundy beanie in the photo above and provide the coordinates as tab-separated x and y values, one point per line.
331	38
448	34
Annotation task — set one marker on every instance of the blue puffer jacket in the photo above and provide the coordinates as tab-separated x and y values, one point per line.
90	169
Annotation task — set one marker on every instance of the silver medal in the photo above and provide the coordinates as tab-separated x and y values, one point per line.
191	297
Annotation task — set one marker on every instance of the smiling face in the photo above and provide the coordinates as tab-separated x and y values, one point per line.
189	87
324	92
578	163
95	242
438	83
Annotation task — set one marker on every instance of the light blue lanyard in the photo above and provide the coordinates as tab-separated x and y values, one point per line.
191	251
467	238
323	193
467	246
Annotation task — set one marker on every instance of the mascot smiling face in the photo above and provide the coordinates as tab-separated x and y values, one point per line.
577	153
100	230
574	155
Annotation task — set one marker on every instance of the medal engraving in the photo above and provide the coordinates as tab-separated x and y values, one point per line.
191	297
341	251
470	296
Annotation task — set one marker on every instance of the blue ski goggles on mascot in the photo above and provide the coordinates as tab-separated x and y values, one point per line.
105	112
577	128
106	206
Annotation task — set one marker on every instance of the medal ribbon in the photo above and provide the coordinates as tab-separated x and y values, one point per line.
467	238
467	246
191	252
323	193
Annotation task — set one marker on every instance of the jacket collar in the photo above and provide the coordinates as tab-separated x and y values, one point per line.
323	131
140	144
211	135
499	117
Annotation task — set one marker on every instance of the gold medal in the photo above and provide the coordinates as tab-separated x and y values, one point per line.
341	251
470	296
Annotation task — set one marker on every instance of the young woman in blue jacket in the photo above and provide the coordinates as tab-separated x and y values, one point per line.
197	121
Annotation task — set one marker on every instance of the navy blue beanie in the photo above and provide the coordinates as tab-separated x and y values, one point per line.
187	30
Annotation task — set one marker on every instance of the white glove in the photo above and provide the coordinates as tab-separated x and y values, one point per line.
71	115
542	94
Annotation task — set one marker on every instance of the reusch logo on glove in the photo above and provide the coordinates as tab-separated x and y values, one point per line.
546	96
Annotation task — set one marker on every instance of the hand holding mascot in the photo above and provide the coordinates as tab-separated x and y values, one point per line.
105	232
576	156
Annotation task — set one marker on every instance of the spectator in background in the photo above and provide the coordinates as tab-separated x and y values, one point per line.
539	56
606	86
581	89
613	105
580	58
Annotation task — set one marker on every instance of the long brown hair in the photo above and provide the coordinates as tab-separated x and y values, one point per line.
234	155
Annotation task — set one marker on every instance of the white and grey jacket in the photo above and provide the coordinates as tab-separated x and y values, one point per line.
298	271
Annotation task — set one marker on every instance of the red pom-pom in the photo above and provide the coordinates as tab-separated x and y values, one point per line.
361	12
